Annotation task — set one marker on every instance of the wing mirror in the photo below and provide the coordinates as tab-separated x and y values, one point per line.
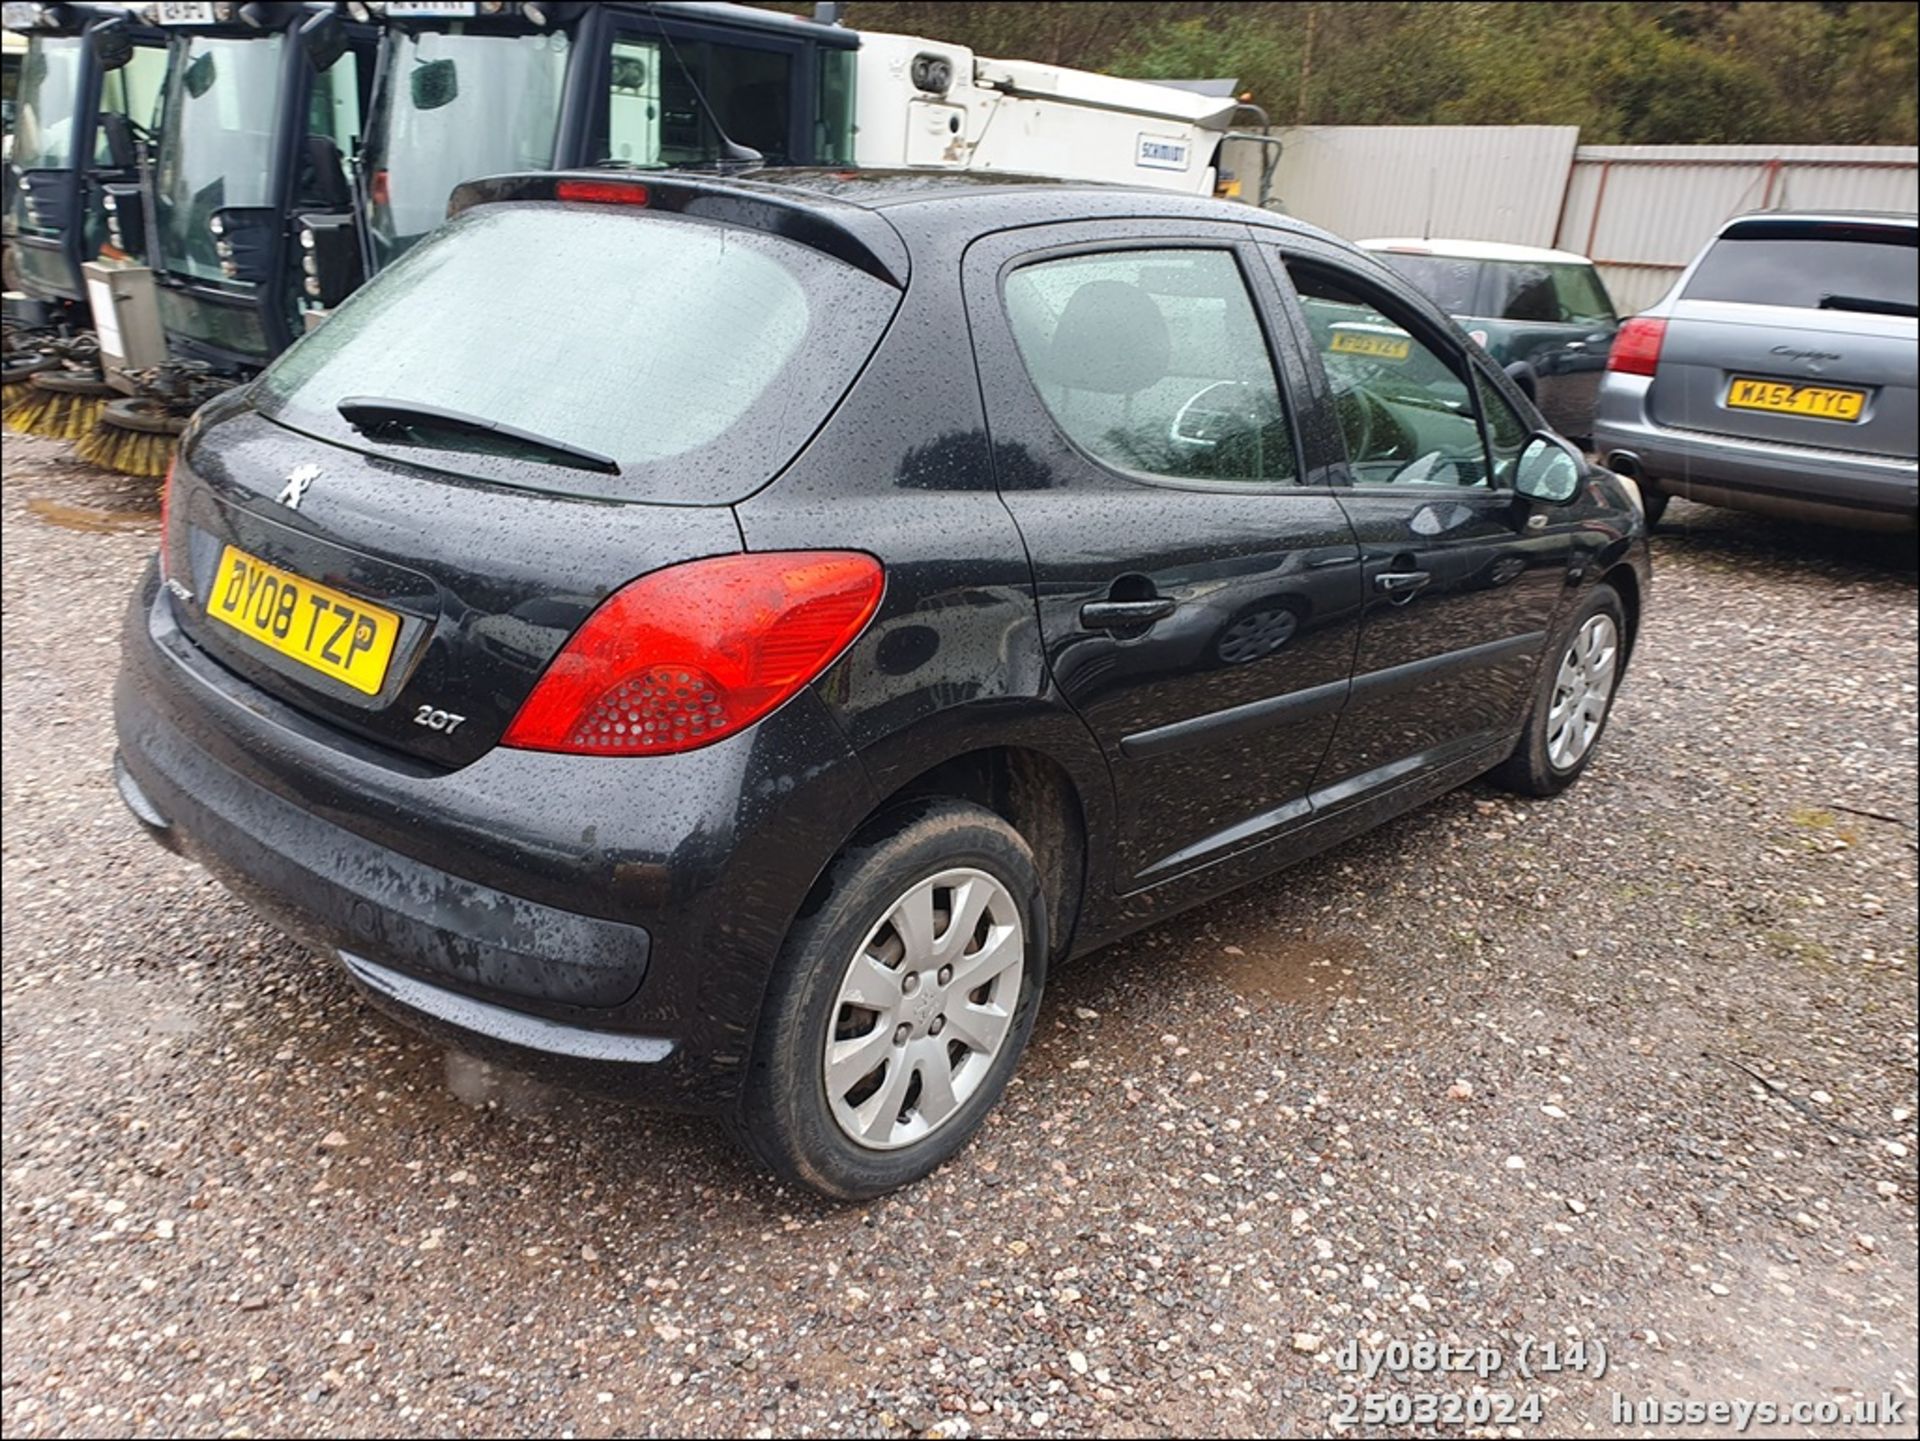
111	41
199	74
433	84
324	39
1548	470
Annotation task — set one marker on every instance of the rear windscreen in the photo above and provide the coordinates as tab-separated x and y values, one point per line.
699	357
1812	265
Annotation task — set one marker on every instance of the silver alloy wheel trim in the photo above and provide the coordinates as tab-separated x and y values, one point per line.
1582	691
907	1002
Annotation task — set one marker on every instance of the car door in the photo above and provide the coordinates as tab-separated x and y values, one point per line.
1198	584
1461	578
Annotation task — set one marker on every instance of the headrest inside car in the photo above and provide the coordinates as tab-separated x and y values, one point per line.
1111	338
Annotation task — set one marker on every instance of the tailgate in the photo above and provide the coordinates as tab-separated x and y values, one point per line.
1837	381
409	606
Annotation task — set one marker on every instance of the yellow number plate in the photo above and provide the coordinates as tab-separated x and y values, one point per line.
1381	347
314	624
1826	401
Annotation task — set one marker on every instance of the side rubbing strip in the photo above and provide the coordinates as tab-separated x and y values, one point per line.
1238	720
1417	672
1320	700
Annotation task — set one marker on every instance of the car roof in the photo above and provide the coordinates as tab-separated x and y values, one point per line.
1478	250
1892	219
980	200
876	218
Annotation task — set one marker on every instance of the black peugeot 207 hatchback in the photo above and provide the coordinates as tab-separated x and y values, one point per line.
720	642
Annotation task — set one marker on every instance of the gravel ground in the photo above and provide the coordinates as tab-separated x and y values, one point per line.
1635	1066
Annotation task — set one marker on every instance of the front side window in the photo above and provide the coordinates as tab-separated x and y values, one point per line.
333	109
833	130
655	112
1507	432
49	101
133	91
1153	361
633	104
1405	408
1583	299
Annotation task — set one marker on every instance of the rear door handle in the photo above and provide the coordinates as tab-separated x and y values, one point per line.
1402	584
1125	614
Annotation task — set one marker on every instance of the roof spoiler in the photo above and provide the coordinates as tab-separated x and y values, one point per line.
850	233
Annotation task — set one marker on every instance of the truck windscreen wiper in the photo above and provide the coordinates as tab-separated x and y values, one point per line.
408	421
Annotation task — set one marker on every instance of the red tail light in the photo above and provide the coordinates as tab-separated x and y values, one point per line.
688	655
1636	349
601	192
380	188
166	502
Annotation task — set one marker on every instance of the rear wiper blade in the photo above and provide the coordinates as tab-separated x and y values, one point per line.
1867	305
384	419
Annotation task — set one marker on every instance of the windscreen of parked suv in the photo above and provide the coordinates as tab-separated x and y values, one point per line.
1812	265
698	356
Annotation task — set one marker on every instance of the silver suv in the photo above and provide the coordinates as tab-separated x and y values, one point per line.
1778	375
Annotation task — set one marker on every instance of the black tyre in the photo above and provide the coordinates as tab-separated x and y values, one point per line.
1655	502
145	417
1573	701
900	1003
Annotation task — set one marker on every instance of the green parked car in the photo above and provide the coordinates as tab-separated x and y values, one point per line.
1543	314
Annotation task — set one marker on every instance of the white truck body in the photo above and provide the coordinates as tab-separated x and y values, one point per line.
1028	118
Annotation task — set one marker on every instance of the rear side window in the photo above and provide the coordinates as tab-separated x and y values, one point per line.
1525	292
1548	294
1153	361
1449	281
1811	265
699	357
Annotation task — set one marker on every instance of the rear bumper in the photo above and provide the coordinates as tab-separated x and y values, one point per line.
346	893
1725	470
324	910
607	924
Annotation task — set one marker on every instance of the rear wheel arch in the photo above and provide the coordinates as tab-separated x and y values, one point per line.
1034	793
1626	584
